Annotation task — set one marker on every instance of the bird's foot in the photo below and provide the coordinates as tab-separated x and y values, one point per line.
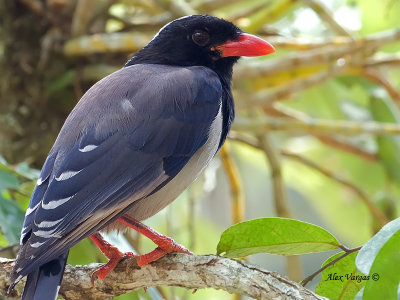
112	253
165	244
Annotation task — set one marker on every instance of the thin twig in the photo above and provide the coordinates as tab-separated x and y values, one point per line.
374	210
252	141
375	75
280	110
311	277
306	43
387	60
314	126
326	56
284	91
330	141
326	17
209	5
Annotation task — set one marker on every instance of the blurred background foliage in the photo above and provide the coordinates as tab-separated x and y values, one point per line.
315	138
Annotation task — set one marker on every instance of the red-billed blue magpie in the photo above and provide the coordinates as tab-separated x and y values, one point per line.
131	145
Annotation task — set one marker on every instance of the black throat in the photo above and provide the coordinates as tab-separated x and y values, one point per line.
224	69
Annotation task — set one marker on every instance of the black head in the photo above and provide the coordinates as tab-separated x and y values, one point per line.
200	40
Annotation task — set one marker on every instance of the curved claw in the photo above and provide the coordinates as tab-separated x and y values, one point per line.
104	270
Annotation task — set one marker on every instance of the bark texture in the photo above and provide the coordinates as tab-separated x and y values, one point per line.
192	272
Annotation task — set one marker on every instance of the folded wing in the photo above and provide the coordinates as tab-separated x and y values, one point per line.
131	133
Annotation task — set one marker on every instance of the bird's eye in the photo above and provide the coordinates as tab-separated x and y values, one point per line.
201	37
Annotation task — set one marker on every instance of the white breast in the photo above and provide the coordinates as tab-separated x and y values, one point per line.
149	206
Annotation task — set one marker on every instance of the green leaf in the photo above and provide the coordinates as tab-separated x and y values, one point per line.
8	180
22	196
3	241
341	280
370	250
3	164
275	236
24	170
11	217
21	169
384	274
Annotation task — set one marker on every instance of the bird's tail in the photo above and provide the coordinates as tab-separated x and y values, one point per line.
44	283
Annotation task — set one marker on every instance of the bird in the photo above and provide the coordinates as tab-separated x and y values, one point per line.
135	141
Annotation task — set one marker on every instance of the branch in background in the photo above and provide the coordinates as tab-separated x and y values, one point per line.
252	141
280	198
326	16
106	43
243	15
381	79
306	43
268	13
380	39
281	110
189	271
374	210
9	251
323	57
207	6
182	8
314	126
327	140
331	263
387	60
326	51
281	205
82	16
177	8
237	193
284	91
356	51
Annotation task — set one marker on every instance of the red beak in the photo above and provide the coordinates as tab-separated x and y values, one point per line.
246	45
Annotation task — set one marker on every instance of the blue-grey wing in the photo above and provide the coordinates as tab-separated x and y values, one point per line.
130	133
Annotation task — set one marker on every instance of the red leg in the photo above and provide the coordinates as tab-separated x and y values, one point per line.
165	244
110	252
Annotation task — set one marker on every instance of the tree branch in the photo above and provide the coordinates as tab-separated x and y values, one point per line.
326	17
314	126
192	272
235	182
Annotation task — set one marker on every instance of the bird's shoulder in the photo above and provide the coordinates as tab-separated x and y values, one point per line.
151	79
147	91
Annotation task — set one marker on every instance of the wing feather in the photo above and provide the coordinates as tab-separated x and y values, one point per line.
130	134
